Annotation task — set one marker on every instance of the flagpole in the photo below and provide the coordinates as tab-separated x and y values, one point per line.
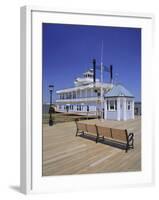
101	77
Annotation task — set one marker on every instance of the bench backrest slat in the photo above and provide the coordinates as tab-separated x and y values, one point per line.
119	134
104	131
91	128
81	126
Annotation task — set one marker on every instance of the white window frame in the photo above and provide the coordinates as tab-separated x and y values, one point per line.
129	103
109	107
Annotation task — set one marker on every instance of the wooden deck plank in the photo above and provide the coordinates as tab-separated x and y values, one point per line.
64	153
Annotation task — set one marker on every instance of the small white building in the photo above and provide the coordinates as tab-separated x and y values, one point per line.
119	104
85	99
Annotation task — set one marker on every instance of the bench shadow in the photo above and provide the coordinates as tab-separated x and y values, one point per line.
87	136
105	141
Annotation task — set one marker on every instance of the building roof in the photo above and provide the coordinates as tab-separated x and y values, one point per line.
118	91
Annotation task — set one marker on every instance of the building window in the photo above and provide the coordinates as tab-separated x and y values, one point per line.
115	104
128	105
112	105
71	107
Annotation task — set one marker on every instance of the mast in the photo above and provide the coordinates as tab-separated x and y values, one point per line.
101	77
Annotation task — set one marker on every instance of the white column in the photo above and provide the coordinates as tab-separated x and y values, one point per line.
91	92
105	109
118	109
124	109
85	95
132	108
76	94
80	93
87	92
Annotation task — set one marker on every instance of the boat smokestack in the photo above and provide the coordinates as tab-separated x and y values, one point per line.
94	70
111	73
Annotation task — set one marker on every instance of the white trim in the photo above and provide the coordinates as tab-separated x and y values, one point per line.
111	100
25	106
124	109
118	109
31	180
105	109
92	12
132	107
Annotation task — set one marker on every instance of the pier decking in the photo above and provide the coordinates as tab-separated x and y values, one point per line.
66	154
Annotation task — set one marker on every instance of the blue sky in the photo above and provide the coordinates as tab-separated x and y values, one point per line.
68	51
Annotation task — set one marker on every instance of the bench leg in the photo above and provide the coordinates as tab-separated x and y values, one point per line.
97	139
127	147
77	132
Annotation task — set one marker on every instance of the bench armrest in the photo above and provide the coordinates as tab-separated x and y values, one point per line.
130	136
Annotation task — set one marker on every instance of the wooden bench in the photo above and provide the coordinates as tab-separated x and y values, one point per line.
86	128
92	129
81	127
117	135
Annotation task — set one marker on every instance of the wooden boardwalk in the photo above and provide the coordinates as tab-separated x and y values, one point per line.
66	154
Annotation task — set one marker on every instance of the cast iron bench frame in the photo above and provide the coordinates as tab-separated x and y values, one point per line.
109	133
